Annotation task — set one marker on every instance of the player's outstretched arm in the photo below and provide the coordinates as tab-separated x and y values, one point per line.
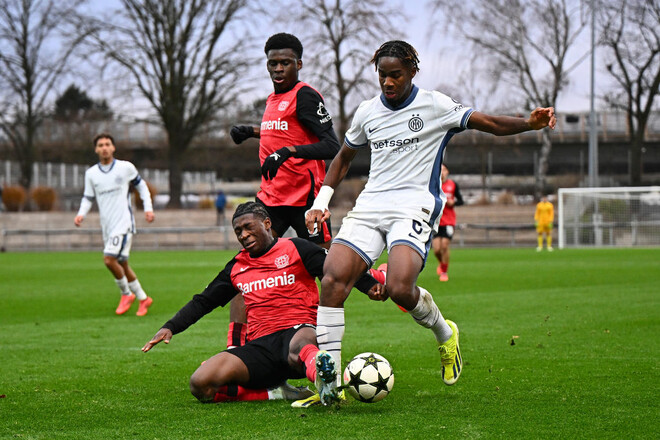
507	125
542	117
164	335
339	166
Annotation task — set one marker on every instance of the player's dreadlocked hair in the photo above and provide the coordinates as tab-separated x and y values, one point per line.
284	41
257	209
398	49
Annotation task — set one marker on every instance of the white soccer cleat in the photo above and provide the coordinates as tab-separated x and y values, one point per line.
286	391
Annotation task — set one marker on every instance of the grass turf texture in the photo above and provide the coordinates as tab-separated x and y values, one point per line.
555	345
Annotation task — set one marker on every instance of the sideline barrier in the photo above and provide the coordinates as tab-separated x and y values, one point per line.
222	237
152	238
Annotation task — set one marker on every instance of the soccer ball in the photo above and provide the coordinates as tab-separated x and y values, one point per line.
368	377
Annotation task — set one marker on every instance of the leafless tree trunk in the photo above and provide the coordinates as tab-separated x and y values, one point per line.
631	34
341	36
30	69
526	43
182	57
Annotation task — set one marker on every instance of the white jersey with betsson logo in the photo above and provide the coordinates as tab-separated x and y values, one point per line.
110	185
407	147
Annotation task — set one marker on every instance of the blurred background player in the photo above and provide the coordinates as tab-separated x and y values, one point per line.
220	205
109	183
543	220
277	277
295	139
407	130
442	239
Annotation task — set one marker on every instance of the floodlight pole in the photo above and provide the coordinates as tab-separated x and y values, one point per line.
593	133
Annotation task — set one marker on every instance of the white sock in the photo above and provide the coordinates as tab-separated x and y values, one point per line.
136	288
329	333
427	314
122	283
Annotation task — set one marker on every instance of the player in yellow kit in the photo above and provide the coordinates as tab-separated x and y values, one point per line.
543	218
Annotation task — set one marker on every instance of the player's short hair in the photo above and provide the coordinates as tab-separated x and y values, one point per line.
284	41
103	136
254	208
398	49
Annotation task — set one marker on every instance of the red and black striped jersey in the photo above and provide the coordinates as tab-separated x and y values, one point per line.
279	288
298	118
450	188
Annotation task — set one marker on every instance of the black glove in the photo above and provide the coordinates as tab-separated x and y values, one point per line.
274	162
241	132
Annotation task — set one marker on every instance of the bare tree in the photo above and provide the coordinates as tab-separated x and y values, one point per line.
342	36
183	58
527	43
34	52
631	34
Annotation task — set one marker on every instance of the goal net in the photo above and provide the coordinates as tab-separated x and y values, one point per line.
601	217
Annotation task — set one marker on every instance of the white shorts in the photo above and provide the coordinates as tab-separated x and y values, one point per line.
369	228
119	246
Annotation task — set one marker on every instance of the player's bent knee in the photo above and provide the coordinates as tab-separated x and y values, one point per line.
402	294
333	291
201	388
398	289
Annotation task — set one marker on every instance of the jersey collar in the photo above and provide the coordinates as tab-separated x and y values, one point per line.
261	254
405	103
106	169
288	90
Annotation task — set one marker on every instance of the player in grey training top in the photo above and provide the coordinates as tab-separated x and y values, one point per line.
109	183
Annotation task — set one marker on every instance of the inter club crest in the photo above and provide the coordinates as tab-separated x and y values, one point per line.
282	261
415	124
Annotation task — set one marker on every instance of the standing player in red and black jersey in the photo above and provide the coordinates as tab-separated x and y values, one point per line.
445	233
277	279
295	139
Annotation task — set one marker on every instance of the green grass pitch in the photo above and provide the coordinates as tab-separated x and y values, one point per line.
556	345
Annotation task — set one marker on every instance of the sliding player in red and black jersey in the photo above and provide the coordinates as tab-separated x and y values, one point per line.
277	279
295	139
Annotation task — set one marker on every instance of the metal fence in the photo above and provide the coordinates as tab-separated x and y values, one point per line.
71	177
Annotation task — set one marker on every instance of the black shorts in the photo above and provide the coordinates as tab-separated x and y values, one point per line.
267	358
284	217
445	232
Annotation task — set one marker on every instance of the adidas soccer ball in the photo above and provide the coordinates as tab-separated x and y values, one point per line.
368	377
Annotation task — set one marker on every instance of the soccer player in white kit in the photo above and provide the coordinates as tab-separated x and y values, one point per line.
407	130
109	183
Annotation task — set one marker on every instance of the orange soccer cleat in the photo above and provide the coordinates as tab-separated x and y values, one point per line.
444	276
144	306
125	303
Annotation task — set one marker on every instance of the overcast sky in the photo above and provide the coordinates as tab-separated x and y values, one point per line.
440	59
434	73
